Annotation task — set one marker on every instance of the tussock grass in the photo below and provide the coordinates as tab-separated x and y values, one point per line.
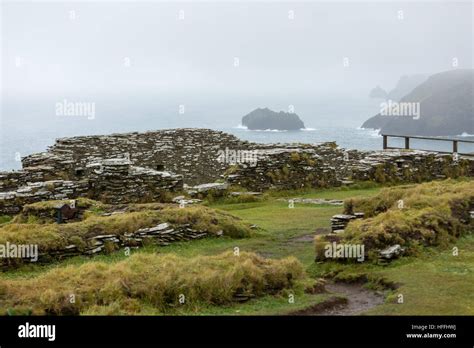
44	212
414	196
56	236
435	213
152	280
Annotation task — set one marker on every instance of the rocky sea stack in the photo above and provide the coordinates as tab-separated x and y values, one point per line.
263	119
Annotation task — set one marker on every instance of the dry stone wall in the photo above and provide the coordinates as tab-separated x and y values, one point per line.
192	153
11	202
140	167
117	181
110	181
325	165
162	234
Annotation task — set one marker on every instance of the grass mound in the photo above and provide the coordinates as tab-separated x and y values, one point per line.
53	236
414	196
434	213
45	211
149	281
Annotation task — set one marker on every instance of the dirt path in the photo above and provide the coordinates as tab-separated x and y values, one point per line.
348	299
359	299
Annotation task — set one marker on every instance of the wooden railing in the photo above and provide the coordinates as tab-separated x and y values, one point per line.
407	143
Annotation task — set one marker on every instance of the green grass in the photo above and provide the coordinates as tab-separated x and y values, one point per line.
5	219
267	305
433	213
159	280
278	226
436	283
432	281
52	236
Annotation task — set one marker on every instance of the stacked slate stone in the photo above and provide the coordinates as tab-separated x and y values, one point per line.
292	167
216	189
57	165
339	222
116	181
194	154
10	181
11	202
162	234
111	181
410	166
334	167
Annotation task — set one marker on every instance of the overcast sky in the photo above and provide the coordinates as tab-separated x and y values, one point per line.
131	48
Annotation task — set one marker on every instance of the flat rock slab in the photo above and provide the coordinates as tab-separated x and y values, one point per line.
210	186
316	201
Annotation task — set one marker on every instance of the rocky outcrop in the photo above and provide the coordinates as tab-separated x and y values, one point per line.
263	119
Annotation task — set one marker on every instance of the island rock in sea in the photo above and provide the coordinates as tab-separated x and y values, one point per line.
262	119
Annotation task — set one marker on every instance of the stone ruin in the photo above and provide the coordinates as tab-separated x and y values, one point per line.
191	153
162	234
295	166
143	167
340	221
110	181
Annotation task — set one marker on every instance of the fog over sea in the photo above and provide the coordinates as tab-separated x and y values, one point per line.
140	63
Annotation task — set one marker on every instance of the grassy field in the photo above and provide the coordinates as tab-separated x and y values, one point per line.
435	282
432	282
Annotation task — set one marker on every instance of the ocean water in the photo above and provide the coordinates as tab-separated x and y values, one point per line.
349	138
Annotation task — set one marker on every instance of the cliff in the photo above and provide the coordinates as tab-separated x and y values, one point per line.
445	104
